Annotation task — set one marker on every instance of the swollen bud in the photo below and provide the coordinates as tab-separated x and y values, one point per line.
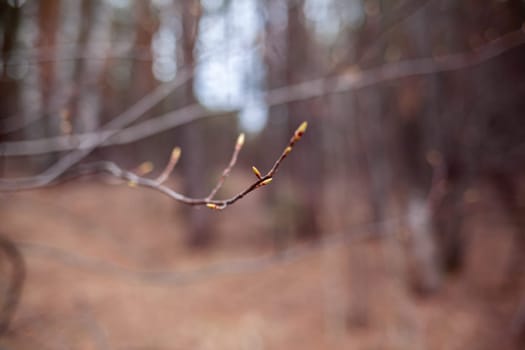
175	154
240	141
256	172
266	182
144	168
212	205
301	130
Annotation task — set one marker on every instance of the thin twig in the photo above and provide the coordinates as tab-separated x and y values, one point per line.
355	233
96	331
296	137
226	172
88	145
175	156
301	91
16	282
358	79
234	266
135	180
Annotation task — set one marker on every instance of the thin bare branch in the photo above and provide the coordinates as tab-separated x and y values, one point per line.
302	91
226	172
93	326
180	278
135	180
70	142
175	156
88	145
359	79
296	137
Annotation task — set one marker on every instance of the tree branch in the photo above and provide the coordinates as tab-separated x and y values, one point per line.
135	180
309	89
89	144
359	232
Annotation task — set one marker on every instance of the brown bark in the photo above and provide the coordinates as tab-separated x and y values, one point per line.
200	232
9	88
308	175
48	22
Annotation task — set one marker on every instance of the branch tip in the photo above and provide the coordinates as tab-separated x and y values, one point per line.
240	141
175	154
300	130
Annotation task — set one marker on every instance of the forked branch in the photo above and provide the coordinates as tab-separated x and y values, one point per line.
135	180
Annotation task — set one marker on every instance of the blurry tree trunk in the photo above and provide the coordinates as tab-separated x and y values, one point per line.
146	26
9	94
280	202
95	25
48	21
195	179
307	174
418	137
509	191
9	25
373	134
142	78
372	122
453	143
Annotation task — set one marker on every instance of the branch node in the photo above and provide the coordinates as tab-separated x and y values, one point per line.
265	182
215	206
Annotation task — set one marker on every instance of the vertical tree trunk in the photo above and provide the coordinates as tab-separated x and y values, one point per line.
419	135
94	31
48	21
9	89
195	179
10	22
300	65
48	24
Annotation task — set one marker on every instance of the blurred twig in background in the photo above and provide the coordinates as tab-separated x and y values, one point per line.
88	145
359	232
353	80
13	289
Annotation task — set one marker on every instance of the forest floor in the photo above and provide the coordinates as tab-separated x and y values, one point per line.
107	268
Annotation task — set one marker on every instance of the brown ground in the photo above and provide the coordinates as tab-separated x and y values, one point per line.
88	246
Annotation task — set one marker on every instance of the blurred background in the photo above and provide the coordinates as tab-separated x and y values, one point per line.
397	222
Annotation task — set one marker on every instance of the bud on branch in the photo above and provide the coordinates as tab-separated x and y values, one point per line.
136	179
256	172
